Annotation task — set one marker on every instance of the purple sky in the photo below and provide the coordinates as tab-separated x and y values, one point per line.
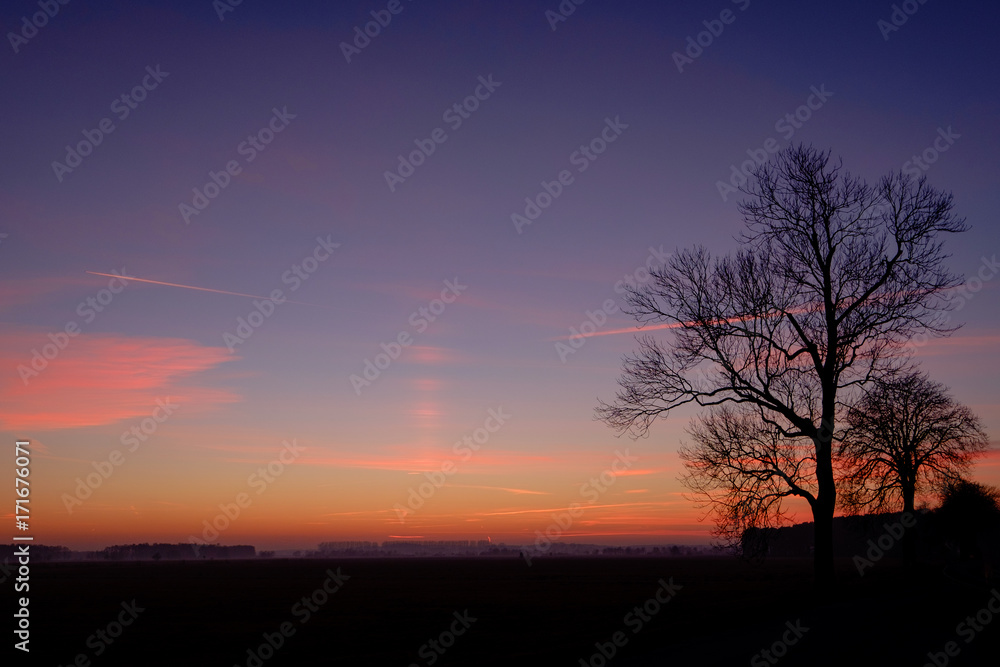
885	97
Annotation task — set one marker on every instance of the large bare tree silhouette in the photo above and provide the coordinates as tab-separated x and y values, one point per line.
833	276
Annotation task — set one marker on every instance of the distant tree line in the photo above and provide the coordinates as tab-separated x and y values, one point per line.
145	551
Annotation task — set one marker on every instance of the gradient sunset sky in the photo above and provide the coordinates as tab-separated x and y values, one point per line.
884	96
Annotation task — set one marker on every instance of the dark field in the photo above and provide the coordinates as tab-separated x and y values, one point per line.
552	613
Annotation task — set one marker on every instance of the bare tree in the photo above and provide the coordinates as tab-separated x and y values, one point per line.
833	276
742	469
906	436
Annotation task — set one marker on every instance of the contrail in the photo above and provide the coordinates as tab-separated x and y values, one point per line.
203	289
805	308
632	329
653	327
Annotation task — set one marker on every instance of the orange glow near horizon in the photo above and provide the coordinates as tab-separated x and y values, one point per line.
303	507
521	482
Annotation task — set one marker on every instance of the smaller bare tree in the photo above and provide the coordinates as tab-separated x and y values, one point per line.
742	469
905	437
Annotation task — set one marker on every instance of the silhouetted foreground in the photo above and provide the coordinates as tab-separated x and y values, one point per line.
353	549
503	612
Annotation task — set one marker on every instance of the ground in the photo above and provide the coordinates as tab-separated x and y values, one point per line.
721	611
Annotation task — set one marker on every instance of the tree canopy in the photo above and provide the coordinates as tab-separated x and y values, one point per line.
833	275
905	436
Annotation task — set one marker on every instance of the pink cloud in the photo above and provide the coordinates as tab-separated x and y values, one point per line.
429	354
102	379
425	462
990	458
643	471
957	344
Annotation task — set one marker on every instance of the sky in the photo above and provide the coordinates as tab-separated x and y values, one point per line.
395	237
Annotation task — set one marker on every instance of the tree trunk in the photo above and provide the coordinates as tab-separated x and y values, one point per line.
909	539
823	548
909	493
826	501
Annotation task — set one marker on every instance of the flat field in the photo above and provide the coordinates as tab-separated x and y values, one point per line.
492	611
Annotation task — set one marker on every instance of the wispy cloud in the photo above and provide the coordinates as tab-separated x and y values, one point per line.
582	506
958	344
103	379
500	488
